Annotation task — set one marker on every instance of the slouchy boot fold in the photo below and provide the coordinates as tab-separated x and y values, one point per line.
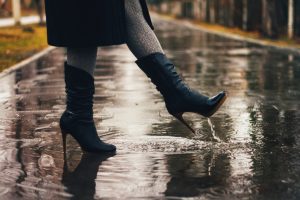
77	120
179	98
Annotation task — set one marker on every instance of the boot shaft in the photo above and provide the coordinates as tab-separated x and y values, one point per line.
80	88
163	74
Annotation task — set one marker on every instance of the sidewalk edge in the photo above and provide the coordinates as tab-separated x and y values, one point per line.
26	61
190	24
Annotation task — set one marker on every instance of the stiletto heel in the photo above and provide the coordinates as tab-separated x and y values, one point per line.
64	140
179	116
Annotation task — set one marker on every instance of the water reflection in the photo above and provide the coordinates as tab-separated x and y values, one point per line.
80	182
195	173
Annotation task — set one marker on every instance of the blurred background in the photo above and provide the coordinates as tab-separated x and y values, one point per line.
271	18
22	30
18	8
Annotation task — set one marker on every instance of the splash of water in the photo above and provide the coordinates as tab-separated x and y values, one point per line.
213	132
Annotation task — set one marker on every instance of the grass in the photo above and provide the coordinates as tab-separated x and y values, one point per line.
20	42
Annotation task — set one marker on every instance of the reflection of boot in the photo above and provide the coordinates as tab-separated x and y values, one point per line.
77	119
179	98
81	182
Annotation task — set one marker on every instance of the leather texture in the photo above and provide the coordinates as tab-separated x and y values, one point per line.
179	98
77	120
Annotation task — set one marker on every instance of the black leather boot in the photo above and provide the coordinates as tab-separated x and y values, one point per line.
77	120
179	98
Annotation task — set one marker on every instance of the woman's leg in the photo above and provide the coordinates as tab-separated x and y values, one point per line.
179	98
77	120
82	58
142	41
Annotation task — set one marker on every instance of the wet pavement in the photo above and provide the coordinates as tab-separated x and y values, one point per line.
250	149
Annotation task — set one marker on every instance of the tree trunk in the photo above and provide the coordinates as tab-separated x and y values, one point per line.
297	18
16	7
196	8
212	13
231	13
245	15
255	13
203	10
238	15
40	10
266	19
291	19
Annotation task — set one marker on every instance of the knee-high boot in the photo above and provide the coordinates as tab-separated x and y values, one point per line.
77	119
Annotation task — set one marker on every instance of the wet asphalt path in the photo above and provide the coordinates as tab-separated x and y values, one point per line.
248	150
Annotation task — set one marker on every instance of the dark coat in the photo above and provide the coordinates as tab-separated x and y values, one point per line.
79	23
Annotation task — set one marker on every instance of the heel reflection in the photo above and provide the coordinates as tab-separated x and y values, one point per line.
80	182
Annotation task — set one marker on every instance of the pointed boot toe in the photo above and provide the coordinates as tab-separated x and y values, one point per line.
216	102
